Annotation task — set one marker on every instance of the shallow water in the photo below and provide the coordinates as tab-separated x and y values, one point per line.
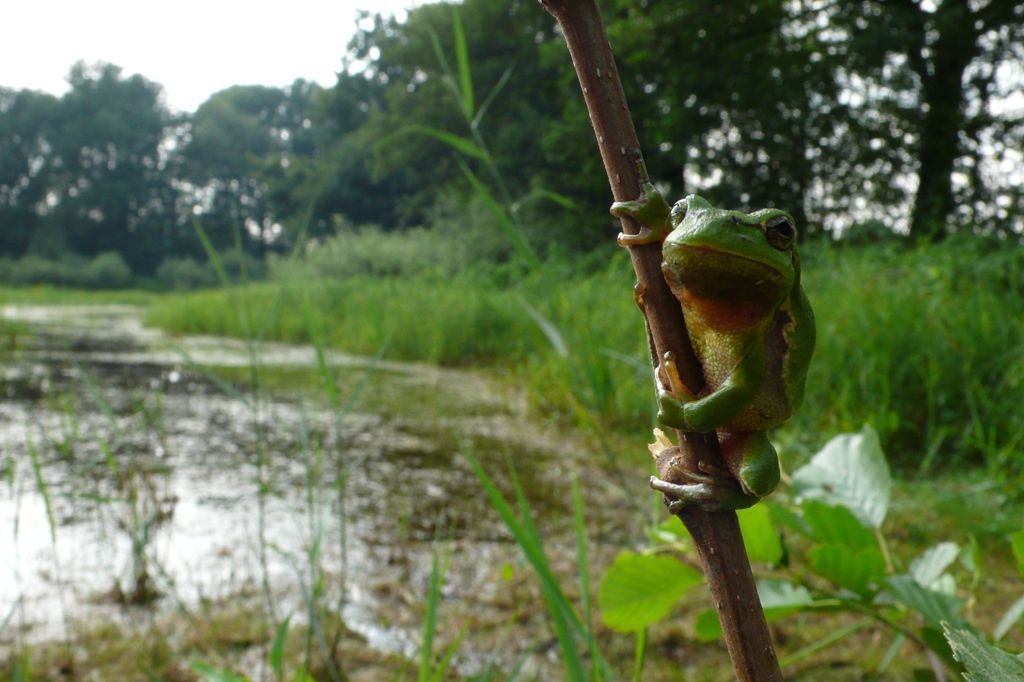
142	474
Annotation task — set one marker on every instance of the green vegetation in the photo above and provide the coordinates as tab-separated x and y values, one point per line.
839	126
926	344
443	203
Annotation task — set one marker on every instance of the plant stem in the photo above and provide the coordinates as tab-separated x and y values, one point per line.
716	535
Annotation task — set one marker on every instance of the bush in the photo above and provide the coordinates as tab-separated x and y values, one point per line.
105	271
32	270
184	274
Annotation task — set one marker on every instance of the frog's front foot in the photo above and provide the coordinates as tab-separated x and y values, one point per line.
709	491
651	211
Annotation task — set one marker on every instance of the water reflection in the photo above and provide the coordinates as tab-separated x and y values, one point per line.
144	474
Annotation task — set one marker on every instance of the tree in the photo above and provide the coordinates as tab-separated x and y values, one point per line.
240	140
938	65
107	186
393	172
26	158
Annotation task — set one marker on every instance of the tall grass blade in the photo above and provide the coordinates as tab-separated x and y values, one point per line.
44	490
211	253
462	58
583	563
430	621
491	96
563	617
511	230
551	332
640	655
277	649
316	337
456	142
92	387
442	667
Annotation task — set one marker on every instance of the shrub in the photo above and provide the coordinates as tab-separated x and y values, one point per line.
185	274
105	271
32	270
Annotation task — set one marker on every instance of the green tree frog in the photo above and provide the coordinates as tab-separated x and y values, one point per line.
737	277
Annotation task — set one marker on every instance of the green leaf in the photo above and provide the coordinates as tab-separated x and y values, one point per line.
640	589
850	471
929	568
836	525
984	662
460	144
779	594
506	223
1017	544
759	536
207	673
524	530
784	517
1012	615
936	607
671	531
854	569
277	649
707	626
462	58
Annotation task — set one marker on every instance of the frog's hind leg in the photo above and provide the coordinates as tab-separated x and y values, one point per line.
752	459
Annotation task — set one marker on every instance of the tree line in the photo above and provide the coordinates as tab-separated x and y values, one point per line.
890	111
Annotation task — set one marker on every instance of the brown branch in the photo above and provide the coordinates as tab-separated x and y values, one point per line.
716	535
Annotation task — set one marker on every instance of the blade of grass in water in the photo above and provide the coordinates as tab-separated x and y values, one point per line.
44	490
583	563
92	387
277	649
563	617
430	621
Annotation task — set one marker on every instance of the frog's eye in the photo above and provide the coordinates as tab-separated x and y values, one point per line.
780	232
678	213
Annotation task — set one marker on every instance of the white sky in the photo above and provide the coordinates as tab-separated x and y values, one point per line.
192	47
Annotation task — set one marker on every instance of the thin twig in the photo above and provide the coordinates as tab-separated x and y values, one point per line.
716	535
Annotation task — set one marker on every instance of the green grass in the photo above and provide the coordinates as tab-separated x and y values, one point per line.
927	345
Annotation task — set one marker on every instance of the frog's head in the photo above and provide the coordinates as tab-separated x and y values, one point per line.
731	255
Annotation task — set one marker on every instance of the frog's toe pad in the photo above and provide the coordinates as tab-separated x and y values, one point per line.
706	492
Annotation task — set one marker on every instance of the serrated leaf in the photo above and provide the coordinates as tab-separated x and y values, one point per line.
639	589
928	569
1017	544
837	525
779	594
1012	615
984	662
783	517
935	607
853	569
850	471
759	535
671	531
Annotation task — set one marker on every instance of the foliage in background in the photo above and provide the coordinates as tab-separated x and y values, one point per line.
815	107
926	344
